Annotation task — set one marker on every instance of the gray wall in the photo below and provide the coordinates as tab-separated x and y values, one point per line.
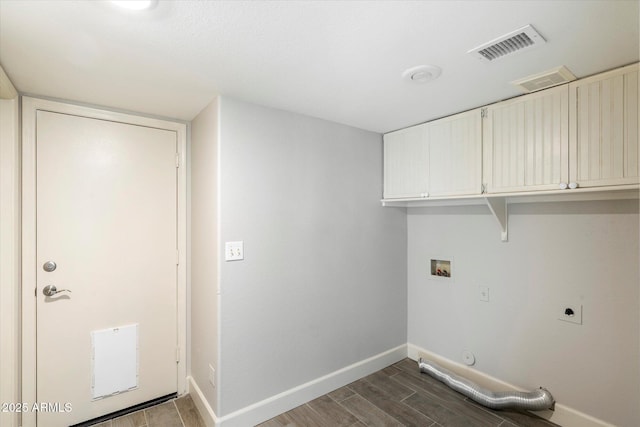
323	282
204	250
571	251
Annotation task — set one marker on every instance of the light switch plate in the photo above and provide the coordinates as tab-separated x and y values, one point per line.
212	376
234	251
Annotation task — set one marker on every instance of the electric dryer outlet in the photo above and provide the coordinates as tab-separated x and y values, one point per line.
570	312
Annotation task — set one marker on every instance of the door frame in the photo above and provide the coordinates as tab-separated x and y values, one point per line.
30	107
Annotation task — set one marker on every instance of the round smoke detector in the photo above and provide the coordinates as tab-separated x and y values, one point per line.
421	74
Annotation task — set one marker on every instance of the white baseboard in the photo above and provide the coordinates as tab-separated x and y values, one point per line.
206	411
289	399
562	415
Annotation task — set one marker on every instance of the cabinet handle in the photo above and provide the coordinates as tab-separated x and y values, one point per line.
563	186
573	185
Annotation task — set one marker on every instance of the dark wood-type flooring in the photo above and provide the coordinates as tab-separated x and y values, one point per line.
399	395
396	396
180	412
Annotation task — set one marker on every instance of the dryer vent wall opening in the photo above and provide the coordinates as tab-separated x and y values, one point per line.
537	400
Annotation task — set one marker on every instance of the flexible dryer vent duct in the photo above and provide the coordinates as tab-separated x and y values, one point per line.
537	400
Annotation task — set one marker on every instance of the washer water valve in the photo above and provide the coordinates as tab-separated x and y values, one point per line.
440	267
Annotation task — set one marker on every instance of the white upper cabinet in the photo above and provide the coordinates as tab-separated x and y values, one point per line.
578	135
436	159
455	155
526	142
604	129
406	163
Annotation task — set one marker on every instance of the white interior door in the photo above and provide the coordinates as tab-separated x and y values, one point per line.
106	200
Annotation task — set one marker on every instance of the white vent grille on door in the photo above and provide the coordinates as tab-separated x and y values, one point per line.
516	41
546	79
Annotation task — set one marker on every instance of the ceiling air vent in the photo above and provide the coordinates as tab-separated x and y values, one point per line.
516	41
546	79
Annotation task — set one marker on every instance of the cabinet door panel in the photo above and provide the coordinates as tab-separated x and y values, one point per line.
455	155
525	142
604	123
406	163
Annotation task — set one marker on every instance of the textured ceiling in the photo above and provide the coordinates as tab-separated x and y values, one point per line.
337	60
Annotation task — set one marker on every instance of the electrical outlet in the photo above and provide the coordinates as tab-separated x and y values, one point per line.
234	251
484	293
570	312
212	376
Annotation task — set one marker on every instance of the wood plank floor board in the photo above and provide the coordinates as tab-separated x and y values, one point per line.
303	415
411	377
281	420
390	371
136	419
368	413
426	384
469	410
400	411
163	415
443	412
272	423
341	394
395	389
515	417
188	412
332	412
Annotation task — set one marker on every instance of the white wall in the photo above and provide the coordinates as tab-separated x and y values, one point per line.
9	256
571	251
323	282
204	250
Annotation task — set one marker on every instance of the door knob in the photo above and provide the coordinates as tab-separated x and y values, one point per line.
51	290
